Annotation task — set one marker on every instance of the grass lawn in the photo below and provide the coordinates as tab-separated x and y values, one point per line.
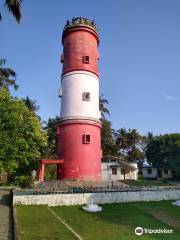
148	183
37	223
115	222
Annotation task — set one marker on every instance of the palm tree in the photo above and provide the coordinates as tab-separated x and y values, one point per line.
7	76
133	137
102	108
31	104
14	7
122	139
134	140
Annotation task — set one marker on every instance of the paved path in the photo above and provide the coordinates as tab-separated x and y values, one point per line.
6	224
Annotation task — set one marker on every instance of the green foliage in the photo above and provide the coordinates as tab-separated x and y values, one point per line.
31	104
7	76
142	182
51	172
21	136
130	144
164	151
108	144
135	154
165	180
50	128
14	7
141	177
103	109
23	181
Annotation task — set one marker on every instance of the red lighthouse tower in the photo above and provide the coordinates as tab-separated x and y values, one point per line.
78	131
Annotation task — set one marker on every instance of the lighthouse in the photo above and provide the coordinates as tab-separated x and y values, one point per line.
79	129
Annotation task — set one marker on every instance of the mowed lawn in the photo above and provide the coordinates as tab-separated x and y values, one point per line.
115	222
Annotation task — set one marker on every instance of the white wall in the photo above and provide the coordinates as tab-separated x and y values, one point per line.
106	172
152	175
99	198
131	174
155	174
72	104
164	175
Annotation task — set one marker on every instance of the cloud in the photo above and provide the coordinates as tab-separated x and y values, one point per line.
170	98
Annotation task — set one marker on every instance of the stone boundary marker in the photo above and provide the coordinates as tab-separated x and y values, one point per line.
99	198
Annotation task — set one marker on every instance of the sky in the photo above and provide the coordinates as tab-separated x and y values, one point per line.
139	57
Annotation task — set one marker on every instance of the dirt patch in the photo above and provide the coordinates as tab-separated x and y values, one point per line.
164	218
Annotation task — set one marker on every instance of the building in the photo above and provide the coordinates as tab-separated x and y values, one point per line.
155	173
114	168
78	132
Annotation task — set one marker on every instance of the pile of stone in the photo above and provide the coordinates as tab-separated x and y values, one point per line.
77	186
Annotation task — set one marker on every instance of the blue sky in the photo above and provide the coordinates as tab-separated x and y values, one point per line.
139	57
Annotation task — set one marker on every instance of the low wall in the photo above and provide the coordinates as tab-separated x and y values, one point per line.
99	198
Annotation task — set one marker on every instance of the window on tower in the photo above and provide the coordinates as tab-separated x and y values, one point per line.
86	138
86	96
85	59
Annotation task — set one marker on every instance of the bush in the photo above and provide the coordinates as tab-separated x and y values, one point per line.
165	180
51	172
24	181
141	177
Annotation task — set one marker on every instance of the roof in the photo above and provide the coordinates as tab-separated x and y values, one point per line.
110	157
123	164
126	165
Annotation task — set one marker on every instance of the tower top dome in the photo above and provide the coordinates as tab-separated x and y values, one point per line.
80	22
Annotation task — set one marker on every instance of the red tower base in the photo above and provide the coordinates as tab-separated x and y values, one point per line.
80	147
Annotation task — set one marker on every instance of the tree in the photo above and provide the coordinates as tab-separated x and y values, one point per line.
50	128
102	107
21	138
164	152
14	7
107	133
134	150
7	76
129	144
31	104
133	137
108	144
135	154
122	140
